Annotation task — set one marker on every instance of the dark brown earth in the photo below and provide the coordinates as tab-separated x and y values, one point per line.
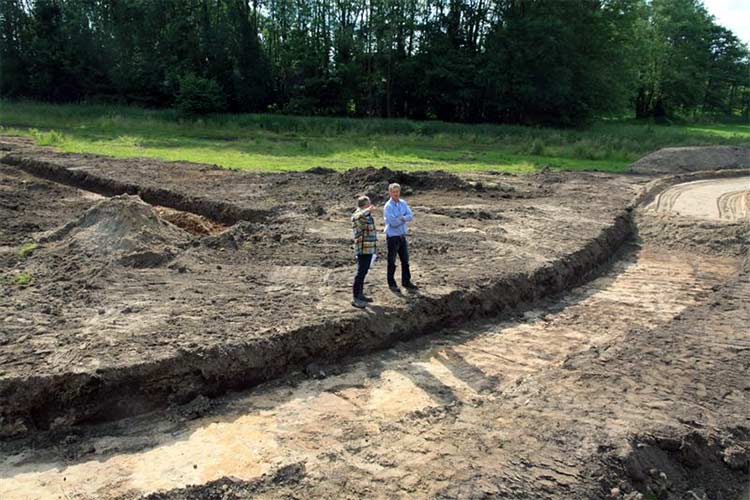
633	384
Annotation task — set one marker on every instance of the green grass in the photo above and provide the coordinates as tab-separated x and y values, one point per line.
27	249
277	142
22	279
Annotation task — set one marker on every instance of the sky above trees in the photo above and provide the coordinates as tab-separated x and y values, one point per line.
733	14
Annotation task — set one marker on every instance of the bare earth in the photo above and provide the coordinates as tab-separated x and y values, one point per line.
723	199
125	304
635	381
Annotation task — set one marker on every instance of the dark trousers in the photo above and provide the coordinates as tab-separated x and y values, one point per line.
397	246
363	265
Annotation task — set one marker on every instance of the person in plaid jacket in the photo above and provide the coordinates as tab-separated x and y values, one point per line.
365	247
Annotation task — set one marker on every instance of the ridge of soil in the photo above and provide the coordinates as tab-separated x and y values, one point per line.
227	196
217	210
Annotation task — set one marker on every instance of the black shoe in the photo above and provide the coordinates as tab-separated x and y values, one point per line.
365	298
394	288
410	286
359	303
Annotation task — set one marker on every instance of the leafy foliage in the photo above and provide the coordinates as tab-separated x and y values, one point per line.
510	61
22	279
198	95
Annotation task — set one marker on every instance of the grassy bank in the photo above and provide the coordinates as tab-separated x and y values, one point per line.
274	142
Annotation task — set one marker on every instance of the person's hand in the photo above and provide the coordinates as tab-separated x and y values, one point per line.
402	218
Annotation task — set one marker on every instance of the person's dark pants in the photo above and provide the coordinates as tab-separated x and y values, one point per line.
363	265
397	246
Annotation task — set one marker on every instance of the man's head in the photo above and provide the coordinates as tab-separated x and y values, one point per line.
363	202
395	191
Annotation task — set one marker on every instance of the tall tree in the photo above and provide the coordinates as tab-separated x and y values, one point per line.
518	61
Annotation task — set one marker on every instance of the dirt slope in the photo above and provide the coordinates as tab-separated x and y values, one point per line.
692	159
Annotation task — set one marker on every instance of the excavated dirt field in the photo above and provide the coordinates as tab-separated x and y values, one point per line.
498	382
126	312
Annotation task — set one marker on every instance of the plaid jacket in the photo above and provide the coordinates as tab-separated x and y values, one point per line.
364	233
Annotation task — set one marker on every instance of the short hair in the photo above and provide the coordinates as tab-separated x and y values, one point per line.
394	185
363	201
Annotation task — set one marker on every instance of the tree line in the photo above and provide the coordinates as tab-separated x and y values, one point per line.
558	62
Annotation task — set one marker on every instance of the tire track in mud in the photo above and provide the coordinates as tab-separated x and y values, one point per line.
383	418
734	205
722	199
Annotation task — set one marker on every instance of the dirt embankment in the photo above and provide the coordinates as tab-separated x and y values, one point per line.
692	159
96	339
218	210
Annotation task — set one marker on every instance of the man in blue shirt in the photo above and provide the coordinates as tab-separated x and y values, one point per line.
397	215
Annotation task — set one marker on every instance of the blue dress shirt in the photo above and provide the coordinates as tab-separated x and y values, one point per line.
397	214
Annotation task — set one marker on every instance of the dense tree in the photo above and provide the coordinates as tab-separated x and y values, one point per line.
690	64
517	61
15	32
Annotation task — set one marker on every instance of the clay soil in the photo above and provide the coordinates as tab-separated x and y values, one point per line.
636	381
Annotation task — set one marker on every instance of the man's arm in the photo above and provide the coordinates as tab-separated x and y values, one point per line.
391	218
360	220
409	216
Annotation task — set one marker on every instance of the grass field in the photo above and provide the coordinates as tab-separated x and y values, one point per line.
275	142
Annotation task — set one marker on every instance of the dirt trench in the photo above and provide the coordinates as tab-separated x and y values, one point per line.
634	383
219	211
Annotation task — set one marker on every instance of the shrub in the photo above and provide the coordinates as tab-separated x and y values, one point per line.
48	137
198	95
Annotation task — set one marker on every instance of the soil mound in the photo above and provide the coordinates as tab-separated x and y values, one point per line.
122	229
673	465
692	159
374	181
320	171
192	223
